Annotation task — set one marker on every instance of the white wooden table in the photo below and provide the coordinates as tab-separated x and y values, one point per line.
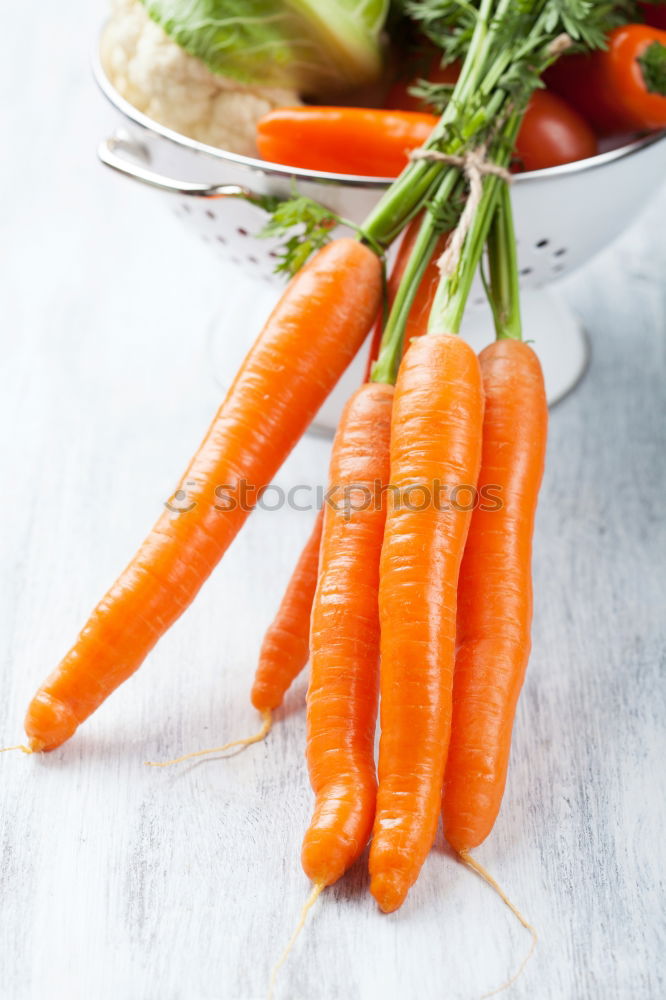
120	881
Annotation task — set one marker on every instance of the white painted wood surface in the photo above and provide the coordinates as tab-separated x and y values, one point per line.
119	881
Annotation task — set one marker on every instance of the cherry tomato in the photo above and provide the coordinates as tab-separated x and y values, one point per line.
552	133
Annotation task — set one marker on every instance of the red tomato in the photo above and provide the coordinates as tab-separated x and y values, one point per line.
552	133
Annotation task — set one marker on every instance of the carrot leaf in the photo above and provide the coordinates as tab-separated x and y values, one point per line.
305	226
435	95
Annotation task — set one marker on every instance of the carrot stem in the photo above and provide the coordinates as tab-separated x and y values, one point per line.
386	367
453	290
477	101
503	288
410	190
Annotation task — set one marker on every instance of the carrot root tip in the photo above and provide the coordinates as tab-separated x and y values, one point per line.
317	889
483	873
260	735
22	747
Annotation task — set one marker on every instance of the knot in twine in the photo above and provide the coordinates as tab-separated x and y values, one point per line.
474	166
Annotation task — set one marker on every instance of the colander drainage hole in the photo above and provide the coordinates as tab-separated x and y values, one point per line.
211	215
542	243
561	252
524	271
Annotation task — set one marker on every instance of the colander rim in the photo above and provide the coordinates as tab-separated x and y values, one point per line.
328	179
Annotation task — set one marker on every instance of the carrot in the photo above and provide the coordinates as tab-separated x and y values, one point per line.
495	593
367	141
286	646
307	342
342	698
436	442
285	649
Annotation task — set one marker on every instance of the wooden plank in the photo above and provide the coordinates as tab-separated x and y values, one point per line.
122	881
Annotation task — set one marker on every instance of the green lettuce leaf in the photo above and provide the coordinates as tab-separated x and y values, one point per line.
313	46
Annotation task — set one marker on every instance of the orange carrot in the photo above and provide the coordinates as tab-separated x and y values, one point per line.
342	699
495	593
435	446
286	646
367	141
308	341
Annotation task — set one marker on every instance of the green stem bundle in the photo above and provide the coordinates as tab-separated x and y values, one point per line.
509	48
453	291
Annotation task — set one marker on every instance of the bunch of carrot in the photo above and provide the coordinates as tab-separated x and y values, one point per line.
388	575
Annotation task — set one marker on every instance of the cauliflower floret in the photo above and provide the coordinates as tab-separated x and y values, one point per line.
178	91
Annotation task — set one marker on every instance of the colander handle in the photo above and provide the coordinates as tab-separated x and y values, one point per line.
109	152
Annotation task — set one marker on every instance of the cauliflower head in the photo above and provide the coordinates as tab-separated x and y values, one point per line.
175	89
